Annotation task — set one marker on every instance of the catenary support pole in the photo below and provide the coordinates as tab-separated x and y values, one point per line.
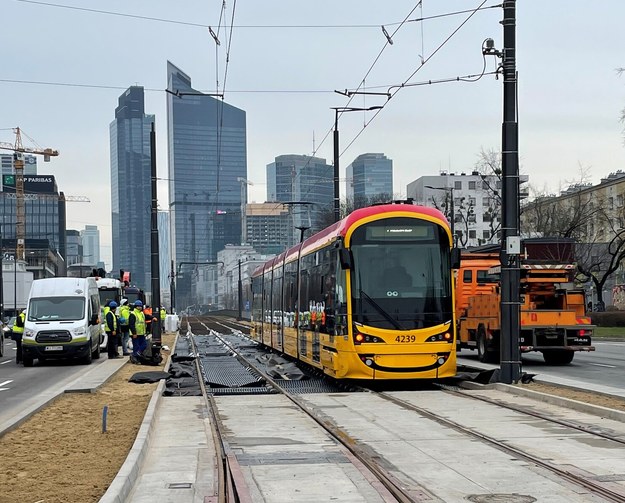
510	238
156	281
337	207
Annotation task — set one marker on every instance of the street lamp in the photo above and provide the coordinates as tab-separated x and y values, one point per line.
337	110
450	191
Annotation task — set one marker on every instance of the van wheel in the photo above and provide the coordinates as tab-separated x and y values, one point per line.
88	358
28	361
96	353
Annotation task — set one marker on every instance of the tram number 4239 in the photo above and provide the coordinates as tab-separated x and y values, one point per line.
406	338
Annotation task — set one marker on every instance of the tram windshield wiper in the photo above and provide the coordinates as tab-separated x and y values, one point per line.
380	310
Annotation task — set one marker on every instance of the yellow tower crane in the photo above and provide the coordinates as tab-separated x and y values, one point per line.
20	214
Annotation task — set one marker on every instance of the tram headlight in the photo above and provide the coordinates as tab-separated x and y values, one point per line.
359	338
442	337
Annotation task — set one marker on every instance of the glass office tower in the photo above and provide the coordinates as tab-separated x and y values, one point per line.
369	179
131	192
207	156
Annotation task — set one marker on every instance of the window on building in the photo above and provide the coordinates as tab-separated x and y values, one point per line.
472	218
486	234
499	184
611	203
458	185
619	200
472	234
472	201
472	186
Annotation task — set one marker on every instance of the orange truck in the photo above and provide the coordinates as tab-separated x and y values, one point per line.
553	310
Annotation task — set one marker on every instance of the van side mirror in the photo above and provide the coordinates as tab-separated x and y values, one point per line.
346	259
455	258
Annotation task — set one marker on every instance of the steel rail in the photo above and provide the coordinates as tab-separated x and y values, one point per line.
571	477
521	410
231	484
391	486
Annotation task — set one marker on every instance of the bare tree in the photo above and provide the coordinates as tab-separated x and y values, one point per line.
582	213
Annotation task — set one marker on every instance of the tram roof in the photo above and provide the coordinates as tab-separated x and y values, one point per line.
340	228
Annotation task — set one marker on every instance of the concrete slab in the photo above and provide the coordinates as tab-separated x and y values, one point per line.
97	376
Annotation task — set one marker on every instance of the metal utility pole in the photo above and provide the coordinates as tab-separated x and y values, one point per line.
240	293
155	265
510	237
244	183
172	286
337	110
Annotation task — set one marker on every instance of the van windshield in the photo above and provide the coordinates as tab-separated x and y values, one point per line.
56	309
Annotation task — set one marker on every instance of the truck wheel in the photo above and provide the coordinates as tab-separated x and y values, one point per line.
558	356
483	353
28	361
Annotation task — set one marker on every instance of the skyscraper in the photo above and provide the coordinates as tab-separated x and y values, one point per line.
130	187
207	155
369	177
304	179
90	244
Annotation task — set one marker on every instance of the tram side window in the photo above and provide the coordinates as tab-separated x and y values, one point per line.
267	297
290	291
276	296
306	287
257	293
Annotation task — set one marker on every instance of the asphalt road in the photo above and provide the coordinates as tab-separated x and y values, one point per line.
19	386
605	366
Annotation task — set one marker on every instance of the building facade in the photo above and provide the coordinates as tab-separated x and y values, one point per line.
472	201
131	192
73	246
303	179
44	210
369	178
207	156
8	167
269	227
90	237
593	215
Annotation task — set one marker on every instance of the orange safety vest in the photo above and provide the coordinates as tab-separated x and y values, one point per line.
148	315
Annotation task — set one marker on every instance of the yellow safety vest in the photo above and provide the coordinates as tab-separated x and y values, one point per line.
16	329
139	322
114	322
163	314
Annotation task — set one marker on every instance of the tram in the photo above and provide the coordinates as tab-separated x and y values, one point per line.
370	297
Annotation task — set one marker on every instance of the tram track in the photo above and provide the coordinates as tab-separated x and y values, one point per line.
362	457
575	478
384	482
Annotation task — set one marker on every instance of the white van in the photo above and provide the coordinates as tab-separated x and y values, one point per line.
62	320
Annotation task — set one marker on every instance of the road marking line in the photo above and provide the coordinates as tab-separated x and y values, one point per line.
5	362
603	365
5	389
6	382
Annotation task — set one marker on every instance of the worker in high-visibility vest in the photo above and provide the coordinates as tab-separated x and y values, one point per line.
18	333
163	314
111	330
137	330
124	325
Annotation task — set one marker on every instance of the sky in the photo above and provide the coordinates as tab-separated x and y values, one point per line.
65	64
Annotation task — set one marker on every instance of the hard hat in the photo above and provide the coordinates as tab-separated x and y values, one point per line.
124	302
112	304
138	303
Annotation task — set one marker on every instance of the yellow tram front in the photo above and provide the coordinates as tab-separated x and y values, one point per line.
395	316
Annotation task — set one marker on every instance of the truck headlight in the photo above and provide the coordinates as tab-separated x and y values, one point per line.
29	332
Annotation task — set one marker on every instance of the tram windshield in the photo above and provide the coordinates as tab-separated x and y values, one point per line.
401	278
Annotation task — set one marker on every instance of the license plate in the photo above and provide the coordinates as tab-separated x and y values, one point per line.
54	348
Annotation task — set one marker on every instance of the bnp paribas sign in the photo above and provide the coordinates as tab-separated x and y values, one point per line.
33	184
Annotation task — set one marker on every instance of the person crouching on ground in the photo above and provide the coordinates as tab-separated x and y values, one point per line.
137	330
111	330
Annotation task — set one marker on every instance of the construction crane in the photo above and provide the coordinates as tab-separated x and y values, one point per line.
20	213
